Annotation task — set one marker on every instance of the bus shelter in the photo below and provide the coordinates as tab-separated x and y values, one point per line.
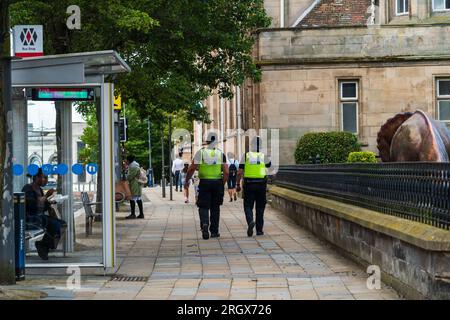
65	80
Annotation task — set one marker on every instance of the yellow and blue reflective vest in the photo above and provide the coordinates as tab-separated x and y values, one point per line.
210	167
255	166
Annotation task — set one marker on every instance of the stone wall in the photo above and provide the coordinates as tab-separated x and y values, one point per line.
305	99
414	258
353	43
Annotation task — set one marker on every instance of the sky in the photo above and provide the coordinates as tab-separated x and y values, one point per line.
43	113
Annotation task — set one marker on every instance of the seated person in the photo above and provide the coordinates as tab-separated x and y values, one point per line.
36	205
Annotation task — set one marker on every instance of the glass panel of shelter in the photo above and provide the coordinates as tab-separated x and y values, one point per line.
74	179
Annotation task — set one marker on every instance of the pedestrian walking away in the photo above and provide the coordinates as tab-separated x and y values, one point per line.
233	166
212	169
137	179
183	182
177	167
253	168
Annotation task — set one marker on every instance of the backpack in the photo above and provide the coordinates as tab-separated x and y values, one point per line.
232	168
142	176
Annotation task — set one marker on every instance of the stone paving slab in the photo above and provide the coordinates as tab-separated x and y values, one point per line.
288	262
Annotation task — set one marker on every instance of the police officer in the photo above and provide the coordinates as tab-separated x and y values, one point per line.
213	173
253	167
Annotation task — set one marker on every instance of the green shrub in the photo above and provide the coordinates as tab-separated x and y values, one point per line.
362	156
333	147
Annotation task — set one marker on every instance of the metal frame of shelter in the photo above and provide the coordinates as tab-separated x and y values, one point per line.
82	70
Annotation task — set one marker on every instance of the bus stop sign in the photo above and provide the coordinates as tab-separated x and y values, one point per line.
28	41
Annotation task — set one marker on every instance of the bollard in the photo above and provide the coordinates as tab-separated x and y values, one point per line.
19	229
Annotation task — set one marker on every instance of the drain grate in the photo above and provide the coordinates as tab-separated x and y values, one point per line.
129	278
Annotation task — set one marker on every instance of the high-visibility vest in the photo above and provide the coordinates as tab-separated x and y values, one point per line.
210	167
255	166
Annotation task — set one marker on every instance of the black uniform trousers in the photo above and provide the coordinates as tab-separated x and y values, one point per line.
210	198
255	193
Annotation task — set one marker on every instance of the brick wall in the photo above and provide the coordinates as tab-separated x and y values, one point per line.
338	13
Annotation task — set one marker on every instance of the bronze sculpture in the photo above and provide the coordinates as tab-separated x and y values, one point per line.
414	136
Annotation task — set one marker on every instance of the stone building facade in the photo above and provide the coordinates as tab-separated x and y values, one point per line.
342	65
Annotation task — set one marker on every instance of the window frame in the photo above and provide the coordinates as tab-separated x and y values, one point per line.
433	8
440	98
406	8
341	91
343	101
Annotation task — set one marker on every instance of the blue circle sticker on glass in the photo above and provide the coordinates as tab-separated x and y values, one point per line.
92	168
62	169
77	169
17	170
33	169
47	169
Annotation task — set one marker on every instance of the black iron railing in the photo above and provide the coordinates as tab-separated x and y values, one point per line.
416	191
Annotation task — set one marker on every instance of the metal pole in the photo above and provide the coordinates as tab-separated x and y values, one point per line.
163	175
42	142
150	152
170	158
239	121
7	234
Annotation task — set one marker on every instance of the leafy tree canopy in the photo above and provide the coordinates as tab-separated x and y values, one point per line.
179	50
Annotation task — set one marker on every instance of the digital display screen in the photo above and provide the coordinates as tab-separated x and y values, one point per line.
62	94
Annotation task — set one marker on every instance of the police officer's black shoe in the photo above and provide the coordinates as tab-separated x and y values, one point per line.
131	216
259	233
215	235
205	232
251	225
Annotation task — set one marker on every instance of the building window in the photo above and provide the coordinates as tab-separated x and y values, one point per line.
401	7
349	102
443	99
441	5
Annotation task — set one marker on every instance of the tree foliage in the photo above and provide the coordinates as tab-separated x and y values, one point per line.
362	156
179	50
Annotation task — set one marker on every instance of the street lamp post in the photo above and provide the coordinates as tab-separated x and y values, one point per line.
150	182
42	142
163	176
170	158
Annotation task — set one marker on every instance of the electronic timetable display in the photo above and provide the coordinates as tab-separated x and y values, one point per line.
62	94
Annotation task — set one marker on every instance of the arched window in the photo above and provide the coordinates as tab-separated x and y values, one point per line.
35	159
53	159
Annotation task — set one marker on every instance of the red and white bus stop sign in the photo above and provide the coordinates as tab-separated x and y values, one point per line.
28	41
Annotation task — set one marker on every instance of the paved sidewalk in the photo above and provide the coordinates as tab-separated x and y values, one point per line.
167	251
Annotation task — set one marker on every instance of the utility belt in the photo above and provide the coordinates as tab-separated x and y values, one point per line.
212	180
254	180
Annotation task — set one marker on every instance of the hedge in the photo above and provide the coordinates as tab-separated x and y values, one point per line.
332	147
363	156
